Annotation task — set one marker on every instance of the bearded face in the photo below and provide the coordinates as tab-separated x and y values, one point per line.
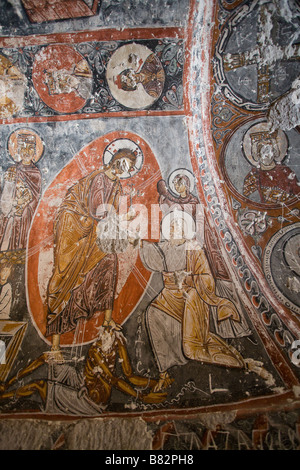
128	80
265	149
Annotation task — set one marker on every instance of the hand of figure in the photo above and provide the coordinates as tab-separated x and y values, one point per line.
2	387
133	241
10	174
134	238
131	214
164	382
13	208
55	355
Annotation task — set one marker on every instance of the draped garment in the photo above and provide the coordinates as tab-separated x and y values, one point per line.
84	278
14	226
186	297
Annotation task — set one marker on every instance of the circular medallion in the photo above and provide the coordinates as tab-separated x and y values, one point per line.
24	137
135	76
62	78
282	265
263	130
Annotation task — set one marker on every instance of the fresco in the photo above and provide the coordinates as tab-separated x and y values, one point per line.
149	237
52	10
92	77
264	189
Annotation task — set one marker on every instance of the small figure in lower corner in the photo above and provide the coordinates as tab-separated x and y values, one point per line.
69	390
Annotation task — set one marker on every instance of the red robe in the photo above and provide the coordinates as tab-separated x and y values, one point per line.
277	185
19	223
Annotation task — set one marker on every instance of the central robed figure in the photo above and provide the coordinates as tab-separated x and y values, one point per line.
84	278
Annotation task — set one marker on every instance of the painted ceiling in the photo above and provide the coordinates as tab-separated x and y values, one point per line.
209	111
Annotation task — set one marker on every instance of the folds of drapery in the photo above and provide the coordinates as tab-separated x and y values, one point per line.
76	252
190	304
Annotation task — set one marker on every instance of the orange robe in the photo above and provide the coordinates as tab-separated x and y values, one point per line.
84	278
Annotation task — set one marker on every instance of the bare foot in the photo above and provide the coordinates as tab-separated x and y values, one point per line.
152	397
257	368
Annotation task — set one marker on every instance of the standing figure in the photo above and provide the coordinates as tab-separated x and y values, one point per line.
178	318
12	88
84	277
20	195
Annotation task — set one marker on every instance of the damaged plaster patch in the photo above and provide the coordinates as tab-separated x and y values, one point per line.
284	9
213	420
29	434
94	434
109	434
285	112
296	390
268	52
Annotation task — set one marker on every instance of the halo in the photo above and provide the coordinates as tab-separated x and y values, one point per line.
118	144
282	141
129	56
183	216
181	171
292	253
12	144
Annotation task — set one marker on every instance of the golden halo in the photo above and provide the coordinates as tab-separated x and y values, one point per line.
121	143
281	139
12	144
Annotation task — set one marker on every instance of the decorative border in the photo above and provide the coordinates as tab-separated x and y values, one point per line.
167	43
279	323
267	268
